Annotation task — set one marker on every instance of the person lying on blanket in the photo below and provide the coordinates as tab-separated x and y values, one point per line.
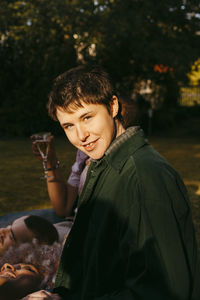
25	229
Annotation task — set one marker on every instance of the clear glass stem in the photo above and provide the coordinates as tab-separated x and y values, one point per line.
45	167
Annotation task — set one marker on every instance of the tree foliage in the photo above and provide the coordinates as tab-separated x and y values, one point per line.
40	39
37	44
135	35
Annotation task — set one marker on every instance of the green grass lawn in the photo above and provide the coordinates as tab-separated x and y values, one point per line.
23	189
21	185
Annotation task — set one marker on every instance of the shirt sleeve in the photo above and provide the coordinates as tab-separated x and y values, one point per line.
74	177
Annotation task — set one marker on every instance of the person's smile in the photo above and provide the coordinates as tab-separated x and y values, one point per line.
91	145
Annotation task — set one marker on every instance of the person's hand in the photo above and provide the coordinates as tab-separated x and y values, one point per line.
51	153
42	295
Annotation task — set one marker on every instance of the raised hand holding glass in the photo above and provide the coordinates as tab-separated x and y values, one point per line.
42	141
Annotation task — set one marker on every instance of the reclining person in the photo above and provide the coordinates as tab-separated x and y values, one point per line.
27	268
24	230
13	277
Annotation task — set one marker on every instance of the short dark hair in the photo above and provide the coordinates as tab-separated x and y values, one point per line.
44	231
88	84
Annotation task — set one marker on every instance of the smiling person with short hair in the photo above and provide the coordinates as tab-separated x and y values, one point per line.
133	236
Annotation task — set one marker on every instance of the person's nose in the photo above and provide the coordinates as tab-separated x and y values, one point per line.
82	133
7	267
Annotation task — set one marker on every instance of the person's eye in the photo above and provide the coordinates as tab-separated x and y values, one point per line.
11	237
68	126
30	269
87	118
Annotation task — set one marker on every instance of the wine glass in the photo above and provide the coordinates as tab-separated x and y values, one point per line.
42	141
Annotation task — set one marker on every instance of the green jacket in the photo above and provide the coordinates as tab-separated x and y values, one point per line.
133	237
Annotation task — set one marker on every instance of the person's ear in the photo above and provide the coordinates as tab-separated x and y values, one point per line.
114	106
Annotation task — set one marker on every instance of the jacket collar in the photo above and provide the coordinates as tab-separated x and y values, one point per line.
123	146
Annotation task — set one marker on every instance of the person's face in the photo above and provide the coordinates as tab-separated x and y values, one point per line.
14	235
89	128
18	280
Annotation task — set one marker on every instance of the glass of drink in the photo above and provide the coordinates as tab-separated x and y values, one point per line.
42	141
